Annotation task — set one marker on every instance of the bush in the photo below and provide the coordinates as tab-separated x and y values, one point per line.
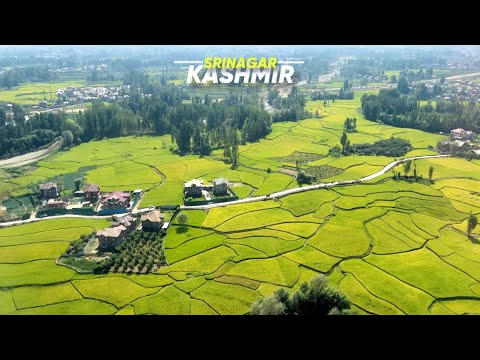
316	298
389	147
26	216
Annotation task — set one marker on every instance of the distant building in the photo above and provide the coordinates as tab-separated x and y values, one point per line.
43	103
469	135
127	221
475	154
461	134
91	192
460	145
112	236
193	188
153	221
220	186
116	200
56	204
48	190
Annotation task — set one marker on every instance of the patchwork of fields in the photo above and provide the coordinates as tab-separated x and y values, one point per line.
393	247
32	93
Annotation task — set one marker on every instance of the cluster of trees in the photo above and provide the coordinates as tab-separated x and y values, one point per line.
396	109
345	92
350	125
314	66
78	245
20	75
291	108
18	136
388	147
100	76
141	251
416	75
198	126
407	167
316	298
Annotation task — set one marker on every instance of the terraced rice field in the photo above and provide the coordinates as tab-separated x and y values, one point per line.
392	247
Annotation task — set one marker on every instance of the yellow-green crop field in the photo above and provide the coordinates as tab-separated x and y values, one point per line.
393	247
32	93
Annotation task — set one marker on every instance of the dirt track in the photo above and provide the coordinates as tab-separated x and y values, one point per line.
33	156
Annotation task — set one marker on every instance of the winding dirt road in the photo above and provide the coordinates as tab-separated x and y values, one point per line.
33	156
278	194
313	187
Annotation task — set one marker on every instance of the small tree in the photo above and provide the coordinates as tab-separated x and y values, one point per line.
407	166
268	306
182	218
430	172
343	140
67	139
472	224
78	182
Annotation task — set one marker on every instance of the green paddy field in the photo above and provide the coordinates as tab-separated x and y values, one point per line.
393	247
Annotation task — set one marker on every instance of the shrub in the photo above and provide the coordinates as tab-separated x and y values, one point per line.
316	298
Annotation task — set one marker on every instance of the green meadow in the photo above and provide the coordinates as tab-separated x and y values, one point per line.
393	247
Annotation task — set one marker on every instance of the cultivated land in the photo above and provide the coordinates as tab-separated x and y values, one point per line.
32	93
393	247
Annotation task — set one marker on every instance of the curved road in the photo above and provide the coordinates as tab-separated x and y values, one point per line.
242	201
30	157
312	187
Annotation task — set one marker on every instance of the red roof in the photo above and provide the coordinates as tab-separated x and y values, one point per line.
117	195
458	130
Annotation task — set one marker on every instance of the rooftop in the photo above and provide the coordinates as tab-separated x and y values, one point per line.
115	231
91	188
221	181
117	195
153	216
48	186
194	182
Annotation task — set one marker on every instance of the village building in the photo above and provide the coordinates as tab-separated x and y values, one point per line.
153	221
461	134
91	191
469	135
220	186
474	154
116	200
127	221
111	237
49	190
193	188
56	204
459	145
457	133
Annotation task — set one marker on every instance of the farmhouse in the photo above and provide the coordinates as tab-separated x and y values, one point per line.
116	200
220	186
461	134
127	221
56	204
91	191
153	221
112	236
193	188
457	133
49	190
475	154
